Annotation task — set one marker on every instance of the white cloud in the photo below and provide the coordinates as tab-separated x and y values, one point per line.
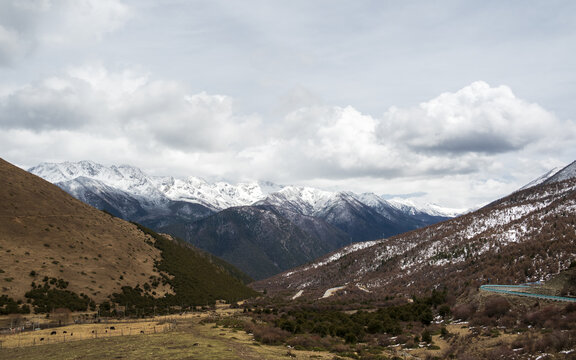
475	119
130	105
26	24
465	140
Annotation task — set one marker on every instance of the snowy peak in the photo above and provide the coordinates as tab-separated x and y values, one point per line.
217	196
158	190
413	208
221	195
566	173
124	177
304	200
541	179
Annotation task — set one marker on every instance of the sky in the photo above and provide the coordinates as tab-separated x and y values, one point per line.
452	102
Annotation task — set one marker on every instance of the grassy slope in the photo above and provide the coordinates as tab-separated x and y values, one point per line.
43	229
47	233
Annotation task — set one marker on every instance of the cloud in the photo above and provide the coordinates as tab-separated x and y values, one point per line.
476	119
131	105
130	116
27	24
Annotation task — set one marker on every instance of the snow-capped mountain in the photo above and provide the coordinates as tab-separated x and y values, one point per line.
565	173
157	190
305	200
124	177
541	179
217	196
414	208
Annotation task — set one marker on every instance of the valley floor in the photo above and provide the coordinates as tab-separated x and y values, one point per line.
189	339
197	336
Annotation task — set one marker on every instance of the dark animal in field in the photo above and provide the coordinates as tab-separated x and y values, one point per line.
64	332
53	333
112	328
141	331
41	339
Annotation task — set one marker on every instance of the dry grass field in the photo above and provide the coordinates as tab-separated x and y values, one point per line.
178	337
82	332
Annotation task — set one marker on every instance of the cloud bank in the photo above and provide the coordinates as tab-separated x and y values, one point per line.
129	116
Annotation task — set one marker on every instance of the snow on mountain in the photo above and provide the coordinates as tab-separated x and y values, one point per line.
377	203
305	200
566	173
102	196
411	207
541	179
217	196
158	191
124	177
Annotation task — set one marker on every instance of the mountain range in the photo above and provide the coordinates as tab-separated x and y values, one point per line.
295	224
527	236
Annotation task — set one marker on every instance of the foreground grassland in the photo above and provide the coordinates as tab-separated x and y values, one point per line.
213	335
188	340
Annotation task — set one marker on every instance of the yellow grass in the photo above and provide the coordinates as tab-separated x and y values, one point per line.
176	337
81	332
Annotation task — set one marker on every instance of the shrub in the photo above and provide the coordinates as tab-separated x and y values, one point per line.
496	307
426	336
268	335
463	311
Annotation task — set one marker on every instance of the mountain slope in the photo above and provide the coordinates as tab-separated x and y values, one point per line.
258	240
523	237
565	173
47	234
363	217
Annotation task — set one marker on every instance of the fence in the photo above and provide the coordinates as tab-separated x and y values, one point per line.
83	332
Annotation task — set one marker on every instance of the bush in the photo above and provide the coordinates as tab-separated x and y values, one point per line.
496	307
269	335
463	311
426	336
310	342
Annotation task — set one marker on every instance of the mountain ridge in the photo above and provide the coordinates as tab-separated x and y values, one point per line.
158	189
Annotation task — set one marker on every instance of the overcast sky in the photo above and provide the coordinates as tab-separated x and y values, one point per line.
454	102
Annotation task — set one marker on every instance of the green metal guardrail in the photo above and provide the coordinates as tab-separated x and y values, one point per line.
499	289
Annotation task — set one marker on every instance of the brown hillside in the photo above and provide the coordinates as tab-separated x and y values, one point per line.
45	230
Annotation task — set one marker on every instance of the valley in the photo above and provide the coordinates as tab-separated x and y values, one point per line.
420	294
297	224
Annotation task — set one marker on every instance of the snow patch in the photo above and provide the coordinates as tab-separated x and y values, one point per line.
332	291
297	295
